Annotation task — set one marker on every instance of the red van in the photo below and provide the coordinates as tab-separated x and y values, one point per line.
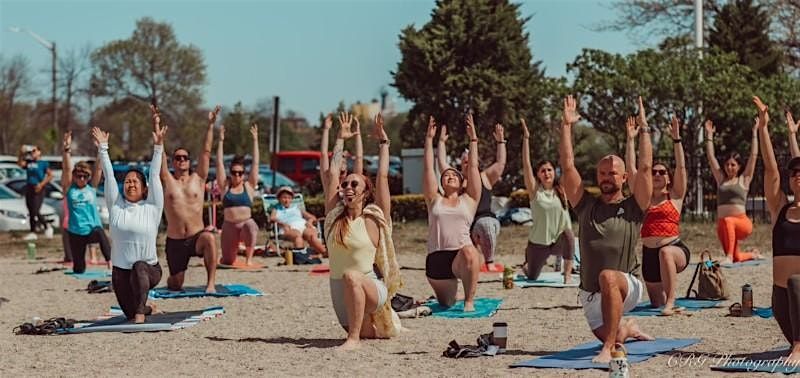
300	166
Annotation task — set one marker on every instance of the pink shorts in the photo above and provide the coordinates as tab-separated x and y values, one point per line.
232	234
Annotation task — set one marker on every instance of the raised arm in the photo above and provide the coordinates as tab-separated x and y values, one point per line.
155	113
680	177
750	166
795	150
66	168
205	156
527	168
254	166
441	149
643	189
572	184
358	163
382	196
97	174
155	191
473	174
222	178
495	171
632	131
332	187
775	197
712	157
111	190
324	161
430	186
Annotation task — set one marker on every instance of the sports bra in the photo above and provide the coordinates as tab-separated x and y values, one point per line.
785	236
661	220
731	194
236	199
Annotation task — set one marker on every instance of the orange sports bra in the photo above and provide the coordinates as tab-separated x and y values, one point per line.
661	220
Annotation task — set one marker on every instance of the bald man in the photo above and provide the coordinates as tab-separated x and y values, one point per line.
609	231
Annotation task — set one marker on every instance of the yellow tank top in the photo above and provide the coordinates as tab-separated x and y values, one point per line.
357	254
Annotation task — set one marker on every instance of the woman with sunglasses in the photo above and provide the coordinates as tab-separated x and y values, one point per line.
733	184
38	176
785	217
134	219
237	202
83	218
664	255
551	234
451	254
365	274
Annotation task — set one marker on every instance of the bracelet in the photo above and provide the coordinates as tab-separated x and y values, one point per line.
473	141
384	141
708	141
66	150
676	140
502	142
645	129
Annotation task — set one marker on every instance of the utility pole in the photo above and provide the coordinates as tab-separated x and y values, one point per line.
276	139
698	42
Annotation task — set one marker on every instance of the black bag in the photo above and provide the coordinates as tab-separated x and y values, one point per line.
402	302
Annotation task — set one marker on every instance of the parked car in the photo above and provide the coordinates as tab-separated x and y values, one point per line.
11	170
300	166
14	213
54	197
265	179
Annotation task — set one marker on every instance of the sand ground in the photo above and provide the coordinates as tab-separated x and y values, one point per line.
291	331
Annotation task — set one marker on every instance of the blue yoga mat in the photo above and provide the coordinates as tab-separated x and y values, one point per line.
743	365
764	312
484	308
546	279
580	357
153	323
200	291
644	309
89	274
743	264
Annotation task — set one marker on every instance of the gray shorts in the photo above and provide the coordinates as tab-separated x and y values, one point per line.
337	296
484	234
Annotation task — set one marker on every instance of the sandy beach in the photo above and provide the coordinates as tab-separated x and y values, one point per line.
292	329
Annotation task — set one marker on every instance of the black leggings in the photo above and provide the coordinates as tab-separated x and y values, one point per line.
131	287
786	308
536	254
34	201
78	243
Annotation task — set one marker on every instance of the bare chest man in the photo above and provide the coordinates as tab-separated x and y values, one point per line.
183	204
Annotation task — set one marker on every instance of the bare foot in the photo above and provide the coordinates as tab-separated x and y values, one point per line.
349	344
138	318
93	262
567	279
154	309
604	357
757	254
636	333
211	288
248	262
469	306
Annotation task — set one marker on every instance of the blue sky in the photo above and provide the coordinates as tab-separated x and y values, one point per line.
311	53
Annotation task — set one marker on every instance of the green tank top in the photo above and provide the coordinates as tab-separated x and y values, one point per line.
731	194
550	218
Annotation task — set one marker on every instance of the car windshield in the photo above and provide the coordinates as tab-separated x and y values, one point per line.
280	179
7	194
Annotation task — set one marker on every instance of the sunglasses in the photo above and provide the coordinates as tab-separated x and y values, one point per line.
353	184
659	172
237	173
181	157
82	176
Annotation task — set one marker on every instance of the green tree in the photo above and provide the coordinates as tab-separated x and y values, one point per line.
15	83
742	27
472	55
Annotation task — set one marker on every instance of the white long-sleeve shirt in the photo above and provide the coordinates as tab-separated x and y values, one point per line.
134	226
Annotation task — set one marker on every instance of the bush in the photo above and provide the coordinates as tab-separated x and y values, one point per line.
520	198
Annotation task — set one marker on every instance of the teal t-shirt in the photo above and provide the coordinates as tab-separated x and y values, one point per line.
83	214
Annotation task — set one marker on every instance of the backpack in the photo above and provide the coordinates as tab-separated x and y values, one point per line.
710	281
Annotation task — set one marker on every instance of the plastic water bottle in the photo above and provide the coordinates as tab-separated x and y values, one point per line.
618	367
31	251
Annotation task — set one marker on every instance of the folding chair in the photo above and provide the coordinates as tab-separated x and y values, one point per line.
274	232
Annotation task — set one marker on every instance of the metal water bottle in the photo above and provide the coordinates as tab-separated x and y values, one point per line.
618	367
747	300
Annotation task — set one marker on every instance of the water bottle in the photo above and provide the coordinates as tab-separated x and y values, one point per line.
747	300
618	367
557	265
31	251
508	278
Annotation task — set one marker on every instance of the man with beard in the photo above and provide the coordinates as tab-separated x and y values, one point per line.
609	232
184	193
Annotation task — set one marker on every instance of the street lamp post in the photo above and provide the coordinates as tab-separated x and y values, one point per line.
52	47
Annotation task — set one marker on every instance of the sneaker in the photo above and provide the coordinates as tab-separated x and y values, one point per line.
30	236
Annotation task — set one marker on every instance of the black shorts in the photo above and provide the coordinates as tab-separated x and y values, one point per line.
439	265
651	265
179	251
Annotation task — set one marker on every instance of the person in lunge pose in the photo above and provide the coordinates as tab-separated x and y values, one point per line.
609	231
365	274
134	218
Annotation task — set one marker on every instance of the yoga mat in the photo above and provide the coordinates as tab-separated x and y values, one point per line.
200	291
691	304
743	365
88	263
743	264
484	308
547	279
158	322
498	268
89	274
320	270
239	264
764	312
580	357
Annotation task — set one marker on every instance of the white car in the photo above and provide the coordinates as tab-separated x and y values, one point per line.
11	170
55	198
14	214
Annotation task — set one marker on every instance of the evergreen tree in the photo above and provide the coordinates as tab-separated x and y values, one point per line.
742	27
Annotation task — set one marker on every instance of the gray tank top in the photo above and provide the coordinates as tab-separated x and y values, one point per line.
731	194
